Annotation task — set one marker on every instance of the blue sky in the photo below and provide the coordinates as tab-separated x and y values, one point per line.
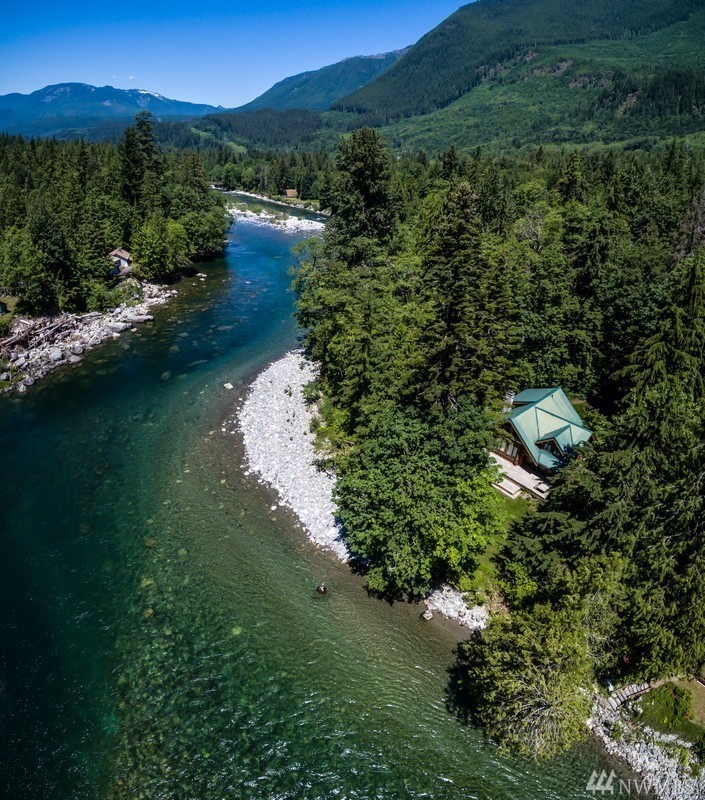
224	53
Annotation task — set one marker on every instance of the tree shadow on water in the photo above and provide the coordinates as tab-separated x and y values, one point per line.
460	695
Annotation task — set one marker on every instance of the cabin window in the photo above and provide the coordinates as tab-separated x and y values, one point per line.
510	448
550	447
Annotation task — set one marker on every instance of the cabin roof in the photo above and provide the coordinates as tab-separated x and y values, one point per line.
542	415
120	253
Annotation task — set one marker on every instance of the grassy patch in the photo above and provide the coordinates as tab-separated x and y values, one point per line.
670	709
484	583
6	319
10	302
698	706
514	509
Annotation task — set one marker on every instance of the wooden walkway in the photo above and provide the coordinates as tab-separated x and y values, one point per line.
627	693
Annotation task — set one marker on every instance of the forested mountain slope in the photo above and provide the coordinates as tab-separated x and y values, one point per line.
635	89
319	89
454	57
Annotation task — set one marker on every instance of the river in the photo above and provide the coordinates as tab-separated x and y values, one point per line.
160	636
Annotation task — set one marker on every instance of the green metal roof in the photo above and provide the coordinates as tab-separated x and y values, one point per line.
541	415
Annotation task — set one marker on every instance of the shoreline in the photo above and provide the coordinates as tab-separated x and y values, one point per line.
645	753
275	424
265	199
289	224
46	343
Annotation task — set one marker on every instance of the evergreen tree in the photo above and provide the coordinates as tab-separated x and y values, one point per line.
471	334
527	681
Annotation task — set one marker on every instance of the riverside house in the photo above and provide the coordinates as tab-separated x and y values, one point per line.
542	430
122	261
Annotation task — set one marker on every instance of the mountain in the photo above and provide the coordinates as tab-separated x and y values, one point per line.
636	91
512	73
79	105
319	89
501	73
455	57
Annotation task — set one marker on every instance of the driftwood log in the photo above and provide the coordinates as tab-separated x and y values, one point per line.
42	331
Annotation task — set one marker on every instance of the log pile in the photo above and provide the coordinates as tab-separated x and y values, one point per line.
29	334
37	346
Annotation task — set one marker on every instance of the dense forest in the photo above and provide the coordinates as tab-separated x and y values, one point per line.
451	59
65	205
439	285
272	172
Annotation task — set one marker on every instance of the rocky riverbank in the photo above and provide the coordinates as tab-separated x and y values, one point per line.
275	422
301	206
39	345
290	224
651	756
276	428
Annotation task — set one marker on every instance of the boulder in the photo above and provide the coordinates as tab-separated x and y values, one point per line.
117	327
56	354
134	319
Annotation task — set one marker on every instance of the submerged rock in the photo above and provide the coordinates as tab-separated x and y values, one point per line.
117	327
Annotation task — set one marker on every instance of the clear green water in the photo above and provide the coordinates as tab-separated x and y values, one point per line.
160	636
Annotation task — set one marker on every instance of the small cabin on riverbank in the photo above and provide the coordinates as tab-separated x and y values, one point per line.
542	429
122	262
291	194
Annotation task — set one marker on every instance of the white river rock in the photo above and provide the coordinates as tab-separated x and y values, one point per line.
276	427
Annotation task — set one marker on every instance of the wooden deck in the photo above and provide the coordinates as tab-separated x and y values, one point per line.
517	480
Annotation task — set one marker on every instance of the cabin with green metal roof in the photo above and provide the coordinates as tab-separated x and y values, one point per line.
542	430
